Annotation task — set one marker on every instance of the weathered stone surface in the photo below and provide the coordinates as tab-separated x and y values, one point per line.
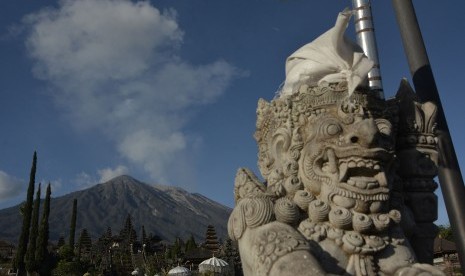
336	200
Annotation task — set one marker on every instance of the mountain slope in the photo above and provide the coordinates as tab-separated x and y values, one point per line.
163	210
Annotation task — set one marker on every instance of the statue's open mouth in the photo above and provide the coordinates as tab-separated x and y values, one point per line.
355	170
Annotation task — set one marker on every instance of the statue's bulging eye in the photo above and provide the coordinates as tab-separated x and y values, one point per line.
331	128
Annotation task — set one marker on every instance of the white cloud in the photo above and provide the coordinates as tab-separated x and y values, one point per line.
109	173
10	186
99	39
114	68
84	180
56	186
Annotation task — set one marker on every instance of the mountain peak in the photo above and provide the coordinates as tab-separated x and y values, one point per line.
122	184
123	179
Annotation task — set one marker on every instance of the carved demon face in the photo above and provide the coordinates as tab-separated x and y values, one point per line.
346	157
338	148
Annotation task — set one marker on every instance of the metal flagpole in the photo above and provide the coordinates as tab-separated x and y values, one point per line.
365	30
450	176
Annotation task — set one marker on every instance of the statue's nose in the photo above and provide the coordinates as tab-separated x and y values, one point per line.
363	133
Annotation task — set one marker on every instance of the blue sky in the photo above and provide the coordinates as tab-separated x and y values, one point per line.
166	91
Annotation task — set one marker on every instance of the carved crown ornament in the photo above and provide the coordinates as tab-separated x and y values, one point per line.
418	120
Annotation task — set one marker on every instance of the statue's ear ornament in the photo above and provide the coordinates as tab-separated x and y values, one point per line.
250	213
247	185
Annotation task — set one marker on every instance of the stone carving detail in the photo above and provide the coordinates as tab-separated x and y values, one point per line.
336	200
417	157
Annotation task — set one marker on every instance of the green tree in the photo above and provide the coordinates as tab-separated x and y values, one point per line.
128	234
61	241
42	240
84	244
26	212
108	233
31	264
144	236
66	253
190	244
67	266
230	254
176	250
72	228
445	232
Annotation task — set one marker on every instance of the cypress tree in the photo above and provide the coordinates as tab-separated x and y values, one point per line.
61	241
31	264
176	249
26	212
42	240
144	235
191	244
72	229
108	233
106	239
128	234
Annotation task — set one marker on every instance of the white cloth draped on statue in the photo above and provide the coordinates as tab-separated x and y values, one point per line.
332	57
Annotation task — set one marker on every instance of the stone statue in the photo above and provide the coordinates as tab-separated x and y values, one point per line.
348	184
